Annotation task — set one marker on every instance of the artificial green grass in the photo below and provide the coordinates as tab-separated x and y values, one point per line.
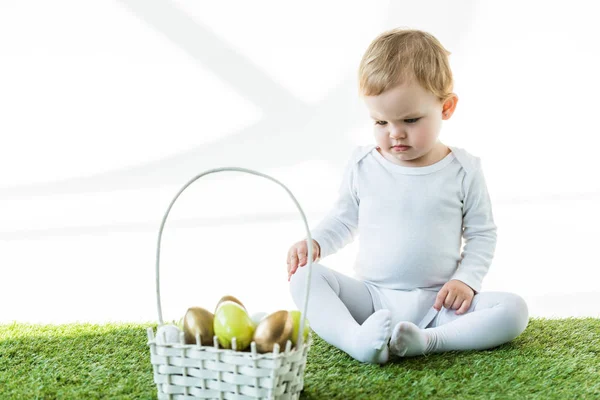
552	359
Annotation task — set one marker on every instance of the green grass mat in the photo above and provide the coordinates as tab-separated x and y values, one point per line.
552	359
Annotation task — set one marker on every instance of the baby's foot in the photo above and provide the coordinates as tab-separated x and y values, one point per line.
371	341
408	340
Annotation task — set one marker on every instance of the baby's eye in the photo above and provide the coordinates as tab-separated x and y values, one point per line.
380	122
411	120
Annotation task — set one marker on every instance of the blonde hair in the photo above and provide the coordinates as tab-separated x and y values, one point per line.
398	55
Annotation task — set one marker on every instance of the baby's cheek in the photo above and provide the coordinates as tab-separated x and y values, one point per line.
424	137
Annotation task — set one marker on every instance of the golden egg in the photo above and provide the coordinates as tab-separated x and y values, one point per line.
274	328
197	320
229	298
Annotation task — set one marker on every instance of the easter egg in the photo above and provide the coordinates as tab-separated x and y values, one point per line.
232	321
257	317
197	320
296	321
229	298
167	334
274	328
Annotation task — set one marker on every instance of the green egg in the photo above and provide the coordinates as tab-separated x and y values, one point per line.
296	321
232	321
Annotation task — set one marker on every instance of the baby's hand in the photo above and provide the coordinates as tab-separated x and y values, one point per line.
297	255
456	295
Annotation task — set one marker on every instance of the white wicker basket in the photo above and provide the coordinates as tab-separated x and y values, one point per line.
193	371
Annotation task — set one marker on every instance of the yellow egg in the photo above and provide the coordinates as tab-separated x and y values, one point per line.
232	321
229	298
296	321
274	328
197	320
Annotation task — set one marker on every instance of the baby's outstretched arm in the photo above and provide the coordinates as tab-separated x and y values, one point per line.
340	225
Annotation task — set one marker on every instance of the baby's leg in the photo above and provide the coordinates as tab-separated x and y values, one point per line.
340	311
494	318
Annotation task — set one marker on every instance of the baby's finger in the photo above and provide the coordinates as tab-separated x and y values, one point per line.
441	296
301	258
457	303
293	261
449	300
465	306
291	272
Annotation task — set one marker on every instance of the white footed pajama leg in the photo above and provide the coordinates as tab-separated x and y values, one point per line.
494	318
340	311
408	340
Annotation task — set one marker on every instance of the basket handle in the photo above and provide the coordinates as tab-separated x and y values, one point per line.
309	238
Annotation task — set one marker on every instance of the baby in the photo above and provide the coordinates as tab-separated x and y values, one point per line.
412	199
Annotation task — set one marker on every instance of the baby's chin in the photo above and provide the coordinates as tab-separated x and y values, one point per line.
405	159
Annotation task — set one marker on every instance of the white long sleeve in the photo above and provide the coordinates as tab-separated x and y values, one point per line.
340	225
410	221
479	231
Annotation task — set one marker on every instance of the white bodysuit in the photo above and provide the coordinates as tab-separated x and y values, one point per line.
410	223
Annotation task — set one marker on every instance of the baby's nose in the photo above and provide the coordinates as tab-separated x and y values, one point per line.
397	133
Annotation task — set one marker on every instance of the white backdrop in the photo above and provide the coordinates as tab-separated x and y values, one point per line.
108	108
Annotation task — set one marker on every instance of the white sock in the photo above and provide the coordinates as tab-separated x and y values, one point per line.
371	341
408	340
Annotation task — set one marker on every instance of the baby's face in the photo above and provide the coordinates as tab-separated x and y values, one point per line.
407	115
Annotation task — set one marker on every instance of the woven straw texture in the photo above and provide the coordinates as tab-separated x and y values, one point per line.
189	371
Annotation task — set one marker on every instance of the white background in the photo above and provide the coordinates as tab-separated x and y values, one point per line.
107	108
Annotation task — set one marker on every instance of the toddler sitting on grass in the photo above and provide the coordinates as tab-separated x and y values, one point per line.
412	199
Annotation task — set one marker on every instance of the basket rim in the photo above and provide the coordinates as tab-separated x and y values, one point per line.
306	344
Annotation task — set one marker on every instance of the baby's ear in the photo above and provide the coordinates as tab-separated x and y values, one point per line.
449	106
